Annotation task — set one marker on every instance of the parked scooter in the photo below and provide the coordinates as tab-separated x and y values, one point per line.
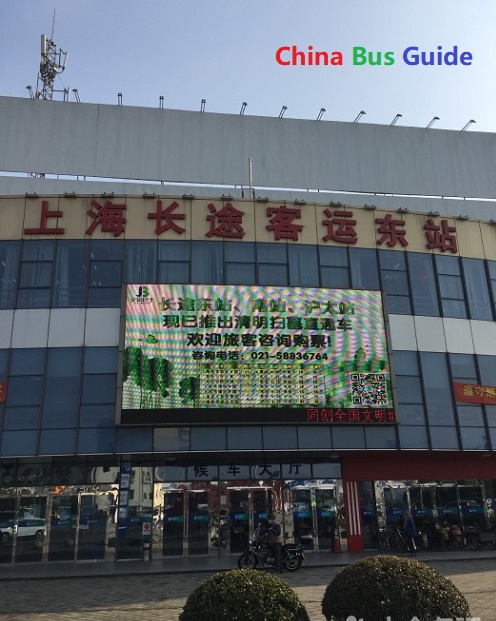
260	553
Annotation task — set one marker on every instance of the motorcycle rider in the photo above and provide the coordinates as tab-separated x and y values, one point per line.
275	540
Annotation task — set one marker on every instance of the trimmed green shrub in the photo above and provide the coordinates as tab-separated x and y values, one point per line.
401	588
243	595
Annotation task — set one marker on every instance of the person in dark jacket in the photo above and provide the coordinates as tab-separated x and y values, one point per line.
410	532
275	540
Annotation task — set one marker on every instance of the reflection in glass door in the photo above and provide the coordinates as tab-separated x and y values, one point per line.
325	504
239	520
198	522
30	529
173	523
7	519
62	532
92	526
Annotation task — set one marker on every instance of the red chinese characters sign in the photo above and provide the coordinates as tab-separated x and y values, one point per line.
3	392
473	393
226	222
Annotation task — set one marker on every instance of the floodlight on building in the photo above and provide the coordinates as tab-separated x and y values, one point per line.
149	195
107	195
396	118
299	201
359	116
432	121
31	195
202	105
76	95
335	204
188	196
30	89
371	207
119	99
321	114
243	108
69	194
463	217
434	213
467	125
161	102
402	210
262	199
283	110
226	197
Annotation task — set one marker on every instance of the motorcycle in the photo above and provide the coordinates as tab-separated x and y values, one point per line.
260	553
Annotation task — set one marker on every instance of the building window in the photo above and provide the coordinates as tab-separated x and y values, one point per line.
35	275
240	263
105	274
437	387
364	271
207	263
272	263
140	262
9	259
423	284
303	266
174	262
71	268
479	303
334	268
62	388
395	282
451	287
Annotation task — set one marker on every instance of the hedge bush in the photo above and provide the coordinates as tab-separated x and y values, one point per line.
243	595
378	586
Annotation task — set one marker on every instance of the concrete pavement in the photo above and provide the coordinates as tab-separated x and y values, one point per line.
132	594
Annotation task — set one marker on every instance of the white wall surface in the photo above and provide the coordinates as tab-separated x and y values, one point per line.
124	142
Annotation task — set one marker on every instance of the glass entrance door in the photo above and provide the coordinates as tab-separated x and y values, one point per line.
92	526
7	521
198	522
22	528
239	520
173	523
30	529
62	528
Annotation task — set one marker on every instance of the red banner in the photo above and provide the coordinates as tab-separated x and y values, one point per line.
3	392
473	393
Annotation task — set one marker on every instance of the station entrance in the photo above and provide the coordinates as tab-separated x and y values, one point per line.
218	518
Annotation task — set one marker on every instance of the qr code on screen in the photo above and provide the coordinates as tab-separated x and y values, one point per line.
368	389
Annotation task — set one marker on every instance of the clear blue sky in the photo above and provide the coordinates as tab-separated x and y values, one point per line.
224	51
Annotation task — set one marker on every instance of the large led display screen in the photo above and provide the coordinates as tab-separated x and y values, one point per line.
240	354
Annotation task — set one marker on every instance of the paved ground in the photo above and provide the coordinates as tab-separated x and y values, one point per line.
161	596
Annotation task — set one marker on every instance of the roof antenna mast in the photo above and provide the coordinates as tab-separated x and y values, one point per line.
53	62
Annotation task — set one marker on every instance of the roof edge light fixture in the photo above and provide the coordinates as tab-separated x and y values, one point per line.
243	108
76	95
402	210
30	89
161	102
371	207
202	105
119	99
281	113
432	121
396	118
463	217
359	116
467	125
321	114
